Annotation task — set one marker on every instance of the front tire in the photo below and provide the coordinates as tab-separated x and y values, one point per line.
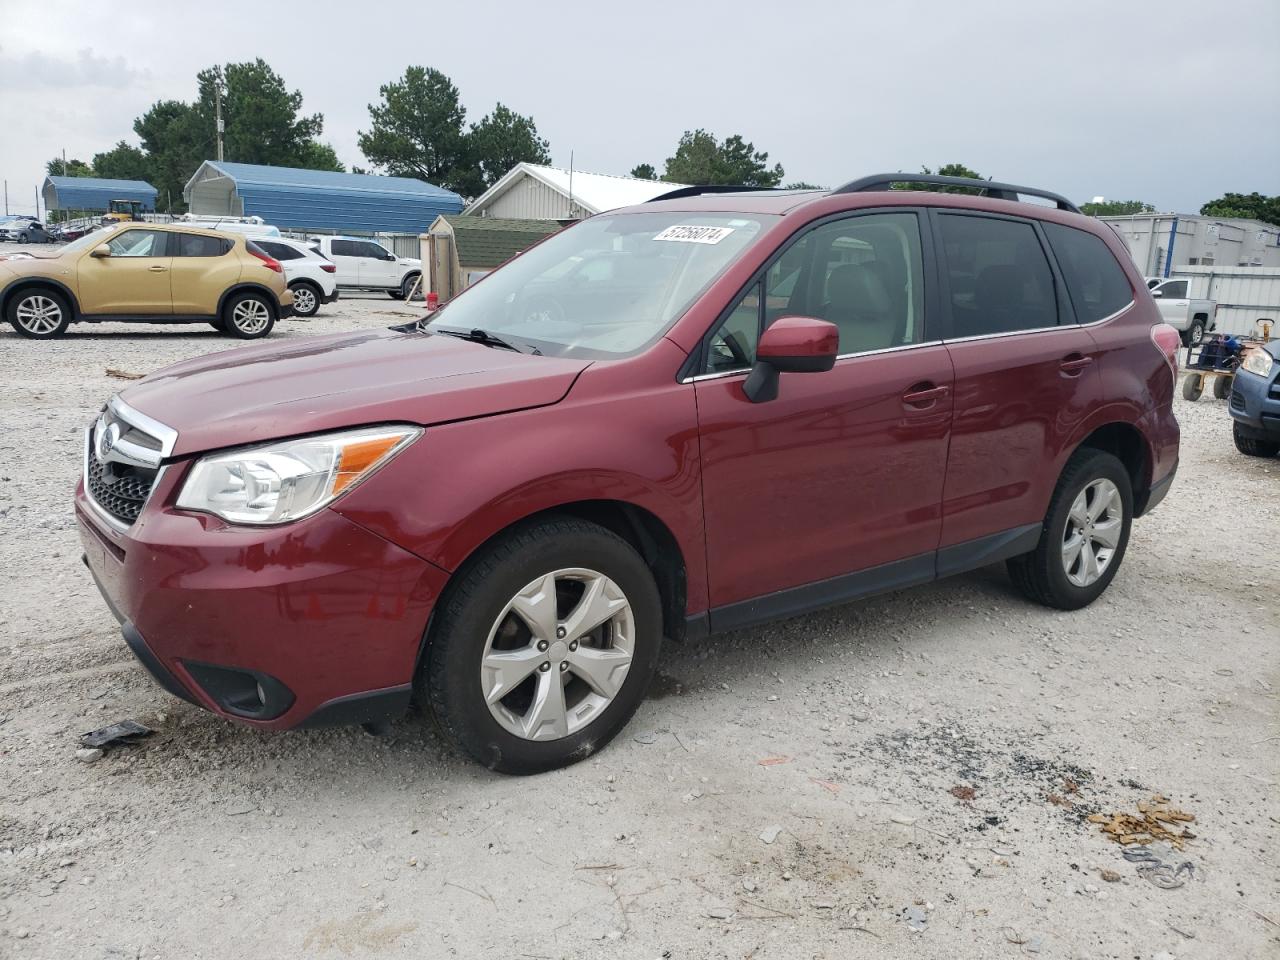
1221	387
39	314
1084	535
1192	387
543	648
407	285
1253	446
248	316
306	299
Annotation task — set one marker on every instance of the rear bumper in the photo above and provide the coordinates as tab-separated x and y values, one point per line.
331	298
317	623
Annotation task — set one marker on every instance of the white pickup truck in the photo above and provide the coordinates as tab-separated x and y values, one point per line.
1192	318
365	265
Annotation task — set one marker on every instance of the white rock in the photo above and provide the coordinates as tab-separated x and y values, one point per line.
89	754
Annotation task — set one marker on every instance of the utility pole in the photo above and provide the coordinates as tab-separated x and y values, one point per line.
217	110
64	161
6	198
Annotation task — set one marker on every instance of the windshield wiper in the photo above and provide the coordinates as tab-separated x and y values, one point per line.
476	335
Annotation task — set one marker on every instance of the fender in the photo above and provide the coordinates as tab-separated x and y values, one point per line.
250	285
20	283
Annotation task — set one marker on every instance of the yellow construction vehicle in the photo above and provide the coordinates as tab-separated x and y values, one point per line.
122	211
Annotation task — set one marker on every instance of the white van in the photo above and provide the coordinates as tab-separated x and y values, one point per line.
249	226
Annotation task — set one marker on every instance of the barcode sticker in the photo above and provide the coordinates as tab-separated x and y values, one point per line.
691	234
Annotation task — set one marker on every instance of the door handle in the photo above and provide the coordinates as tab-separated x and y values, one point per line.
924	394
1073	363
157	269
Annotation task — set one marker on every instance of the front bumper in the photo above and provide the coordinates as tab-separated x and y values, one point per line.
306	624
1254	404
285	310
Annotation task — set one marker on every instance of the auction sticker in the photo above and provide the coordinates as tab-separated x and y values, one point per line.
689	234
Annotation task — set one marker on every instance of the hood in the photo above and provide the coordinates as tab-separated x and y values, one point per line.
256	394
410	262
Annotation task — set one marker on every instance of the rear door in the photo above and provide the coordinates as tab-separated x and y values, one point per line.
133	281
203	269
836	484
1025	373
346	256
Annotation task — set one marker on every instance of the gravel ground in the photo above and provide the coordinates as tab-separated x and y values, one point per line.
905	777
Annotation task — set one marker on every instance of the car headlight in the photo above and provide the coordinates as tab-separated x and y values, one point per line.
281	482
1259	362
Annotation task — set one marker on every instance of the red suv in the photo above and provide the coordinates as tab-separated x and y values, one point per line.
690	416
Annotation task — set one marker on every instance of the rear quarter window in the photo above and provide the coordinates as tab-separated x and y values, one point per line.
1096	283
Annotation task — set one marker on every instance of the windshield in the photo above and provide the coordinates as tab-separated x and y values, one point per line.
605	287
91	239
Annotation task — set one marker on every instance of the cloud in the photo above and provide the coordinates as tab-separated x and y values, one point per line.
37	70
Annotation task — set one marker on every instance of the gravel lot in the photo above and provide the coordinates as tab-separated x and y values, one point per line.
904	777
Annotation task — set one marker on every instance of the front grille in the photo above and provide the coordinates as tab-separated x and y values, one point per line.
120	490
122	460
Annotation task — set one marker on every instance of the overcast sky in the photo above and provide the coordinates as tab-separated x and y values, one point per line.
1173	102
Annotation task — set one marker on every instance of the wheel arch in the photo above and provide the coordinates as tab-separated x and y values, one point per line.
652	538
273	302
1125	442
26	283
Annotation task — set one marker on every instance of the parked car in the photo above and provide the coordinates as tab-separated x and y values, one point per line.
310	276
250	226
1255	401
365	265
24	230
65	233
1191	318
768	403
149	273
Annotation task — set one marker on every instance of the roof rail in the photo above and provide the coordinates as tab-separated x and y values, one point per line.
1000	191
681	192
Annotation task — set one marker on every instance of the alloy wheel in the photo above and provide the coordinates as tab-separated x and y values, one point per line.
1092	534
39	315
558	654
251	316
304	301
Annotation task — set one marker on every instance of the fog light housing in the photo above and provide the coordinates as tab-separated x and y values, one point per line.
241	693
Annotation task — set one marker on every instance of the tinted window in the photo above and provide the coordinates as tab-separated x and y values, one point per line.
281	251
1097	285
863	274
1174	290
346	248
138	243
1000	279
375	251
193	245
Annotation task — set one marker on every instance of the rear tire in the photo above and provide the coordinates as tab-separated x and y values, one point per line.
306	299
1090	512
39	313
1192	387
1253	446
1221	387
248	316
550	714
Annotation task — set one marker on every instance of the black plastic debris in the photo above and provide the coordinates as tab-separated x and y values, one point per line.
122	734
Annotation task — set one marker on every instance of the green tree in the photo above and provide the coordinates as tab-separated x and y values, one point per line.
802	185
1116	208
416	130
702	159
500	141
644	171
57	167
175	141
1253	206
122	162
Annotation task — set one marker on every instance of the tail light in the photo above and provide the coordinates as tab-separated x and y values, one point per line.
329	267
268	261
1168	341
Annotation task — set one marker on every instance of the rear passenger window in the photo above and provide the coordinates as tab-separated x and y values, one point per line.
1095	282
999	276
194	245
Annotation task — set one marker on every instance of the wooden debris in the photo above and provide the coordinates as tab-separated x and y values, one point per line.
123	374
1155	820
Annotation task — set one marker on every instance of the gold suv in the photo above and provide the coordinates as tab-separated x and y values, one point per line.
151	273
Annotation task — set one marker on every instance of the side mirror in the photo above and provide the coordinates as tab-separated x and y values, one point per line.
101	250
1157	294
791	345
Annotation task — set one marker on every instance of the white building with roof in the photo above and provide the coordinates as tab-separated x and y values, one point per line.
533	192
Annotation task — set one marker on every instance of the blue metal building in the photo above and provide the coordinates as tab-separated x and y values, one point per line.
294	199
93	193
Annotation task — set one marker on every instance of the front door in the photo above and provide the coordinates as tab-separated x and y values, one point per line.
378	266
837	483
1026	373
133	281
